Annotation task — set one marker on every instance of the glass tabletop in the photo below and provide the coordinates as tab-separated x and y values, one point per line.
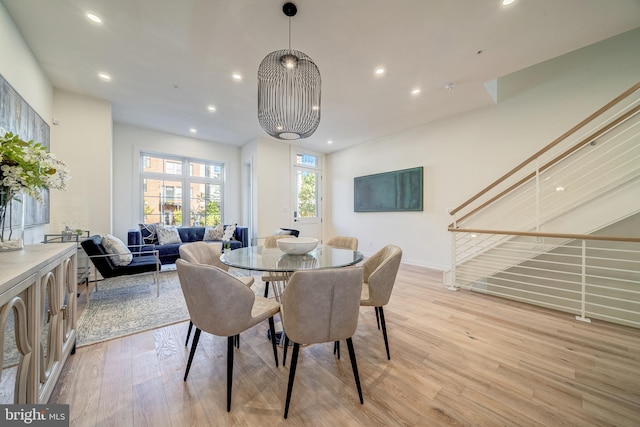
273	259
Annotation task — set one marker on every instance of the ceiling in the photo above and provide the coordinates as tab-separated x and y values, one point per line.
170	59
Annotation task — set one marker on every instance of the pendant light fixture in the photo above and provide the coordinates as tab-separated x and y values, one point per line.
288	91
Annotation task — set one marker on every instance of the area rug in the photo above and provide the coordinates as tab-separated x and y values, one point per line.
128	305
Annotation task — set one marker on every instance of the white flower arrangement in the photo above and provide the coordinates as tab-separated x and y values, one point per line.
28	167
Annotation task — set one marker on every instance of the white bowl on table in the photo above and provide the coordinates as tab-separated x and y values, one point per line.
297	245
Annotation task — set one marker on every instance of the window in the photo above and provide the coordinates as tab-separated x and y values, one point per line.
163	179
307	160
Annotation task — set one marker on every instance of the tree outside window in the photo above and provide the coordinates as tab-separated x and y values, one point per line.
307	196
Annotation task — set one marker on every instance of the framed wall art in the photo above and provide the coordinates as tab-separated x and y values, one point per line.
395	191
17	117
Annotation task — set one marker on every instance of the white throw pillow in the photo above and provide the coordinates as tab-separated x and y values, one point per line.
229	232
168	234
122	254
213	233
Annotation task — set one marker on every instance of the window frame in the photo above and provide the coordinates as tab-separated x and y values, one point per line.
186	179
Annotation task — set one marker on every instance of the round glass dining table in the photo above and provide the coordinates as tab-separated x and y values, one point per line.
259	258
280	265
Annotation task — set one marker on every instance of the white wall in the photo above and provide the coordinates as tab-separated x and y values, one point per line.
83	140
249	183
463	154
270	161
23	72
273	169
129	141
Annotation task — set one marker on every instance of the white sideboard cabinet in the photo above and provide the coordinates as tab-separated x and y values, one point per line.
38	305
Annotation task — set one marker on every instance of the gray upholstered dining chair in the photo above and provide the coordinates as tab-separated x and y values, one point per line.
208	254
344	242
271	242
321	306
380	271
222	305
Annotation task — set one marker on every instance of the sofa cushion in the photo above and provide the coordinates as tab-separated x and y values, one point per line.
213	233
191	234
229	232
113	245
167	234
149	233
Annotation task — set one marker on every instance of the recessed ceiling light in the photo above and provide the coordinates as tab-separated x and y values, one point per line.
329	142
236	76
104	76
211	108
193	130
508	2
415	91
94	18
559	188
379	71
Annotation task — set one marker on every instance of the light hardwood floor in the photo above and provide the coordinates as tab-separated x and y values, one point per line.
457	358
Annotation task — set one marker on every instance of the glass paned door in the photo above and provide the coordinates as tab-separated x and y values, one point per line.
306	209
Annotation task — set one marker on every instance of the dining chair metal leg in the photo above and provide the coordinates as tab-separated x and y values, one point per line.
336	348
194	344
236	341
230	341
384	332
292	375
354	365
272	329
377	318
188	333
266	289
286	346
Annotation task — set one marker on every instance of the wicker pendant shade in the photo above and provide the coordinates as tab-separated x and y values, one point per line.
288	92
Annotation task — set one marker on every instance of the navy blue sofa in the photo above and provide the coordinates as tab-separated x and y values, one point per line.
170	253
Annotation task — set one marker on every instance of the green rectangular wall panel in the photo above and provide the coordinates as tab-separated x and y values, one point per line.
389	191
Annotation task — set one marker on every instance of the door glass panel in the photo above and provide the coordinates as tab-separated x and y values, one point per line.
306	194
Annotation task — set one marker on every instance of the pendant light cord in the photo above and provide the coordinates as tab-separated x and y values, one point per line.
289	33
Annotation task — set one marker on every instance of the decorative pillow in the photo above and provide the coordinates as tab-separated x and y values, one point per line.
229	232
213	233
149	233
113	245
167	234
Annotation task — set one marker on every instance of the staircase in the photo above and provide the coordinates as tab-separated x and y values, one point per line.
540	233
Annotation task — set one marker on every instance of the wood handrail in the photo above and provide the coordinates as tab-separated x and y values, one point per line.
553	161
541	234
558	140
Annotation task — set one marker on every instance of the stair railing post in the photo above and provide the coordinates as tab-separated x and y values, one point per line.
452	284
582	316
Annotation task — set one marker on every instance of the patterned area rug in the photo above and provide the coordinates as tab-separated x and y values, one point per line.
125	306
